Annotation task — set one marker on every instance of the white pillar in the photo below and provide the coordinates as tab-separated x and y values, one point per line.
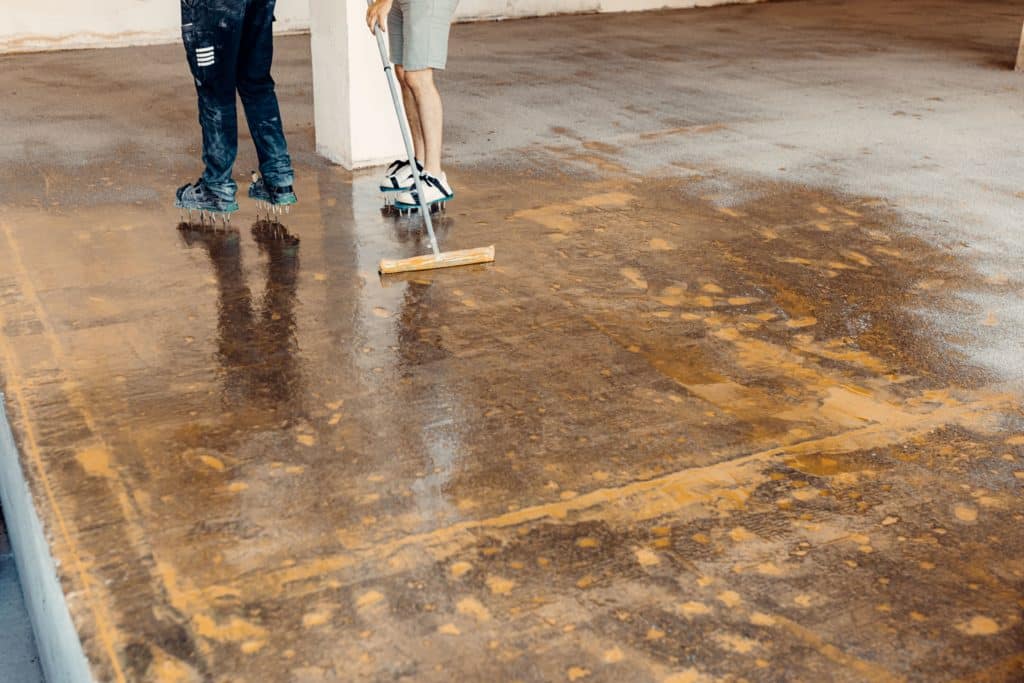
353	114
1020	52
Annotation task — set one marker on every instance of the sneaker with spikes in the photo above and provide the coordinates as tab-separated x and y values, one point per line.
398	177
271	197
198	196
438	192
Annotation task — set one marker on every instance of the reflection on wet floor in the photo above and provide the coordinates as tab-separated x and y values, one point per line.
256	340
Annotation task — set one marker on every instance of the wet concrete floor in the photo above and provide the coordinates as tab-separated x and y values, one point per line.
673	434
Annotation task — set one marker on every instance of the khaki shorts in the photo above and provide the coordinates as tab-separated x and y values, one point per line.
418	30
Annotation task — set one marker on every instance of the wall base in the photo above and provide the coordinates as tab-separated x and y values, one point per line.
356	164
92	41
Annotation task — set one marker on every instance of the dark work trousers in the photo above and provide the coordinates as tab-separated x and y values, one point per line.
230	48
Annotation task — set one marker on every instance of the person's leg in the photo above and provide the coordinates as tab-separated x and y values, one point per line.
211	33
429	114
256	89
400	174
411	112
425	48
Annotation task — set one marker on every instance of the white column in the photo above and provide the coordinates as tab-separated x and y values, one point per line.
353	114
1020	52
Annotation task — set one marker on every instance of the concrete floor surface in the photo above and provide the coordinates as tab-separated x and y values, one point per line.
740	399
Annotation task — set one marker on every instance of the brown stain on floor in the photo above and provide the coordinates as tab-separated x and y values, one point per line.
684	130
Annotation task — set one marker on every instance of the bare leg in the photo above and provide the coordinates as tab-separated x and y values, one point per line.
411	113
431	116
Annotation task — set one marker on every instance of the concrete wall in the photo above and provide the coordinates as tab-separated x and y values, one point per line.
473	10
31	25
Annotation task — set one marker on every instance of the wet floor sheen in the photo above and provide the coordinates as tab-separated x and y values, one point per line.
668	436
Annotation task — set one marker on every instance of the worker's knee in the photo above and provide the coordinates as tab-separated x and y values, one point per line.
420	79
248	88
400	74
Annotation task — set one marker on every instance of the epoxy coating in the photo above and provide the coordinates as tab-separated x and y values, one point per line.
676	433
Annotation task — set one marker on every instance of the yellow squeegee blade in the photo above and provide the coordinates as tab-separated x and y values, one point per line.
446	259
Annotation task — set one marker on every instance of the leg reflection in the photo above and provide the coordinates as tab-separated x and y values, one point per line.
256	344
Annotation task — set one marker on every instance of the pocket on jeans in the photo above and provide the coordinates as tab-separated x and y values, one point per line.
189	10
201	50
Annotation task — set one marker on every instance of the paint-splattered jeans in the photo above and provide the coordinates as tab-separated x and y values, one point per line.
230	47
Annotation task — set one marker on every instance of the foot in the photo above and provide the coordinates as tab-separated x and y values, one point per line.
198	196
272	197
437	190
398	177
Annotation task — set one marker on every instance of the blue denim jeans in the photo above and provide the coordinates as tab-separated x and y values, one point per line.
230	48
